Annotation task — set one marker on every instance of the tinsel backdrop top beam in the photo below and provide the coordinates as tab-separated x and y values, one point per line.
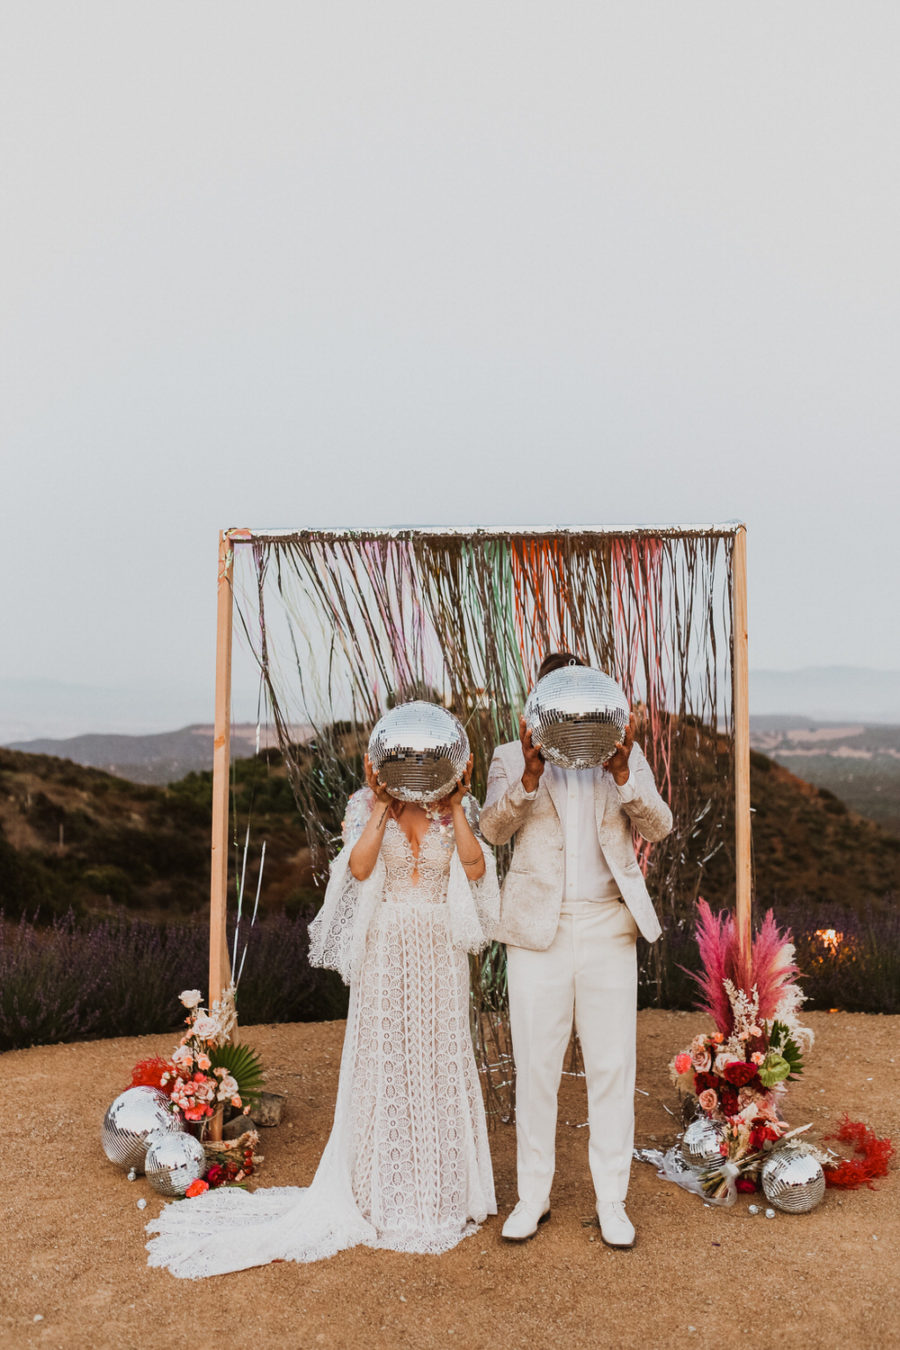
344	622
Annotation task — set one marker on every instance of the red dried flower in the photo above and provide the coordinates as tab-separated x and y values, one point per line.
149	1072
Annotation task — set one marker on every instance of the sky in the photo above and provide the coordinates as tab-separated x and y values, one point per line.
413	263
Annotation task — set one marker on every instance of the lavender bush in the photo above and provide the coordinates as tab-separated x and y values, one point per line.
70	981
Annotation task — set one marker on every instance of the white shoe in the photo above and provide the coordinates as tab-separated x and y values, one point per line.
616	1228
523	1222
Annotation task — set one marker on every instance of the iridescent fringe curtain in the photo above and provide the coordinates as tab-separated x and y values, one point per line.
343	624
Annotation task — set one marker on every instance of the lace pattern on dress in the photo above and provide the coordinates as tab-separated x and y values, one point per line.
407	1164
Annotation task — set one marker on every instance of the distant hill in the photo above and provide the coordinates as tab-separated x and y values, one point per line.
76	836
162	757
859	763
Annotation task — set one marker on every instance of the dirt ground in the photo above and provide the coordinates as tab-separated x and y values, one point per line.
73	1262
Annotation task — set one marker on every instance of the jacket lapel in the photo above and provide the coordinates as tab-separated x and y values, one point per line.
556	786
601	796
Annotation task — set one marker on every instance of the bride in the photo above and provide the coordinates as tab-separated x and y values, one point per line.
407	1165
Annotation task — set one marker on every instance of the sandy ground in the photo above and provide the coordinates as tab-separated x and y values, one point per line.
73	1238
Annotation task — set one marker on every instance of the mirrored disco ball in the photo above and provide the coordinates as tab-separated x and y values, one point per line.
576	715
133	1116
793	1181
173	1162
700	1143
419	751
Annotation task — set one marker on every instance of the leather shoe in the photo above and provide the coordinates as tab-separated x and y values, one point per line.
616	1228
523	1222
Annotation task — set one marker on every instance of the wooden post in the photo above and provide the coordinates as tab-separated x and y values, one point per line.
219	963
741	714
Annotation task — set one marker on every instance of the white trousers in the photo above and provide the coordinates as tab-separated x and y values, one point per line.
589	971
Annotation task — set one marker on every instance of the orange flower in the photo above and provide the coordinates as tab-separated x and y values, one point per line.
196	1188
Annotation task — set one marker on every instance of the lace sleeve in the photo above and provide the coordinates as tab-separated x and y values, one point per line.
333	933
474	905
359	808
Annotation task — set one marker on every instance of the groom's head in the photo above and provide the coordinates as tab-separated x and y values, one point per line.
556	661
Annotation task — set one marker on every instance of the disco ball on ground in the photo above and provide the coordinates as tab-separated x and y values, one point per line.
700	1143
793	1181
173	1162
419	751
576	715
133	1116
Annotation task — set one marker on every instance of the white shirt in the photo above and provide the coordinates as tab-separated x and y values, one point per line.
587	874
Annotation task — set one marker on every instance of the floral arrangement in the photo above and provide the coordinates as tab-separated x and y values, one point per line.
205	1071
230	1171
739	1074
204	1074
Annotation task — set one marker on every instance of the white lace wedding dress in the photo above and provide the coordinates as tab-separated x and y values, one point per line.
407	1165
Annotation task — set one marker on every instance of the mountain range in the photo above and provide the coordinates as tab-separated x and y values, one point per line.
47	709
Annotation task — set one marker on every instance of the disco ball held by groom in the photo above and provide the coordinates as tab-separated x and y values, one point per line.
572	904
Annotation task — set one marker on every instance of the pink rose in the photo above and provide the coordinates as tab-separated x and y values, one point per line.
203	1061
682	1063
702	1061
708	1100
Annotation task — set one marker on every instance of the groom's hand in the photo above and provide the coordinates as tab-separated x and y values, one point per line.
618	760
534	760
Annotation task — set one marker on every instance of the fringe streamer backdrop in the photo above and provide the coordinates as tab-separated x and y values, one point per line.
345	623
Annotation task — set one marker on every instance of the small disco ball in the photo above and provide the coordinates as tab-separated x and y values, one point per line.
700	1143
576	715
133	1116
173	1162
793	1181
419	751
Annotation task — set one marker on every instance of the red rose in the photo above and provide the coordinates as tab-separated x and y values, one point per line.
746	1184
702	1081
738	1072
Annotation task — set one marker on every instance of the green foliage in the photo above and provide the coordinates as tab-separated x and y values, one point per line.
245	1067
780	1039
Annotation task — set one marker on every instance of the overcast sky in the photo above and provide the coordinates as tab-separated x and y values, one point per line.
327	263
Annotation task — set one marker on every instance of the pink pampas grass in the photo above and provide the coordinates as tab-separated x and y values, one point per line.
769	966
717	940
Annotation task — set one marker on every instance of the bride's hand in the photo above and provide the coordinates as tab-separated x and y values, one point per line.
379	789
455	797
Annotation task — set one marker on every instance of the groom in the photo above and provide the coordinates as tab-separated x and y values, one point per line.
572	904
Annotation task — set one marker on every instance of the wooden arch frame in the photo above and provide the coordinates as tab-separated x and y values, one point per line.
219	964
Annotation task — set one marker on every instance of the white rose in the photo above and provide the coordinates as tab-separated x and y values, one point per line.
190	997
205	1028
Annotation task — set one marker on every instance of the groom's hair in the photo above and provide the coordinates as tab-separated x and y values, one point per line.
556	661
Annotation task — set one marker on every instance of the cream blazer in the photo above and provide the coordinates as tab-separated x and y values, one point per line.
532	894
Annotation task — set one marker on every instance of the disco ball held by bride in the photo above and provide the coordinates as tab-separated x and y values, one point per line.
419	751
576	715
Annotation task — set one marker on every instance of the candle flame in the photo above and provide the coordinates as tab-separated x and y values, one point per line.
830	938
